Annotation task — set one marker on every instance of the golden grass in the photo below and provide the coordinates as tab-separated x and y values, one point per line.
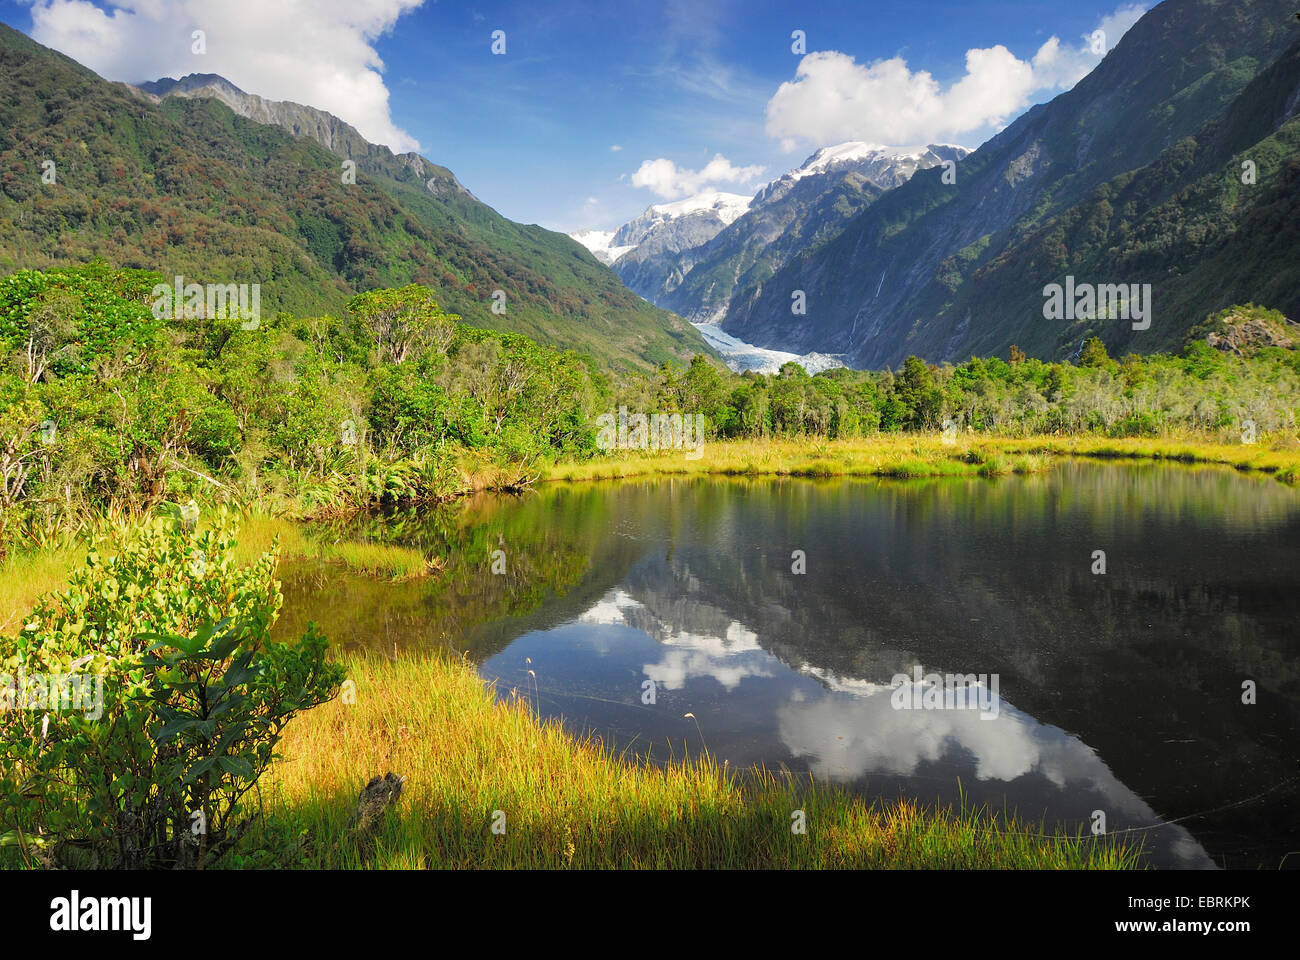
25	576
570	802
258	533
1279	459
919	455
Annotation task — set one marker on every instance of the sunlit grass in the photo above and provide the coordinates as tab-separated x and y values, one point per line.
570	802
258	532
920	455
26	575
1280	459
387	560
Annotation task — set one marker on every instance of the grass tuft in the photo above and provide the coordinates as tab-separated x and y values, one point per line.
570	802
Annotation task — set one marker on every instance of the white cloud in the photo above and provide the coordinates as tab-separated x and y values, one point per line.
615	148
671	182
833	98
317	52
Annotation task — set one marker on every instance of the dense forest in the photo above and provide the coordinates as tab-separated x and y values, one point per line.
106	407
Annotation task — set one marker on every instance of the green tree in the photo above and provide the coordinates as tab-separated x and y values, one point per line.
917	392
1094	353
403	322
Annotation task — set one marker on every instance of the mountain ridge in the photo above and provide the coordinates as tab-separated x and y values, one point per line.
886	285
188	186
657	253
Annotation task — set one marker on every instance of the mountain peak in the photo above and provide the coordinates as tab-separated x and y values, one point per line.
190	82
727	206
886	167
334	134
667	228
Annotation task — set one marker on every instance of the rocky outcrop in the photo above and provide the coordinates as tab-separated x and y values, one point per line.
310	123
1246	335
802	209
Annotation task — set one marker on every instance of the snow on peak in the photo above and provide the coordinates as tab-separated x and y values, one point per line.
728	207
609	245
850	151
601	244
886	167
858	152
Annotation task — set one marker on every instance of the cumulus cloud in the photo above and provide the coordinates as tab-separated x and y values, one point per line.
834	98
671	182
317	52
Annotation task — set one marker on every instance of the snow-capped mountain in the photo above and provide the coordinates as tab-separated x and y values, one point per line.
601	244
648	252
689	255
808	206
679	223
886	167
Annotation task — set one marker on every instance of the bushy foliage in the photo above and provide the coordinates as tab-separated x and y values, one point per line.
1200	390
145	700
396	401
125	411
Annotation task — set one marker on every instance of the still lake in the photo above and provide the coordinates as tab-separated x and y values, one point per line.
1120	692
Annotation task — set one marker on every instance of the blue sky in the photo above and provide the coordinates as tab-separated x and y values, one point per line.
596	110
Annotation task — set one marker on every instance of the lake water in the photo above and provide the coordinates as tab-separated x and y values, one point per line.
1119	692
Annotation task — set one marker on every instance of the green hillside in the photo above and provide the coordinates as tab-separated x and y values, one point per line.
188	188
1186	223
914	272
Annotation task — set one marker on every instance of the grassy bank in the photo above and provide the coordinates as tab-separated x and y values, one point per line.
1281	460
26	575
570	802
920	455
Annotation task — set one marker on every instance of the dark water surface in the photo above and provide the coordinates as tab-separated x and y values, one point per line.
1118	692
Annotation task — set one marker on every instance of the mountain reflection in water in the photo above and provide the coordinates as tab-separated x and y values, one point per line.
1118	693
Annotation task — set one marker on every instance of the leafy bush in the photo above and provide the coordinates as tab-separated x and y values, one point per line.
190	698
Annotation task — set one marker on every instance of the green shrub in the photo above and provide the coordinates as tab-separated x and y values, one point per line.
189	699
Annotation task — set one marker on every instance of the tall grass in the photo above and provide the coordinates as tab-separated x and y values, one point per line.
570	802
919	455
1281	460
26	575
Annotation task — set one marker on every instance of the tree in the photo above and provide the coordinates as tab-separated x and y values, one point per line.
1094	353
51	332
403	321
181	697
916	389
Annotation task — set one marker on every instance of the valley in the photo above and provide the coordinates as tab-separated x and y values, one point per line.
907	506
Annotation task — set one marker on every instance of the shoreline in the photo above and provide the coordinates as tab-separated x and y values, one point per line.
924	455
569	800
